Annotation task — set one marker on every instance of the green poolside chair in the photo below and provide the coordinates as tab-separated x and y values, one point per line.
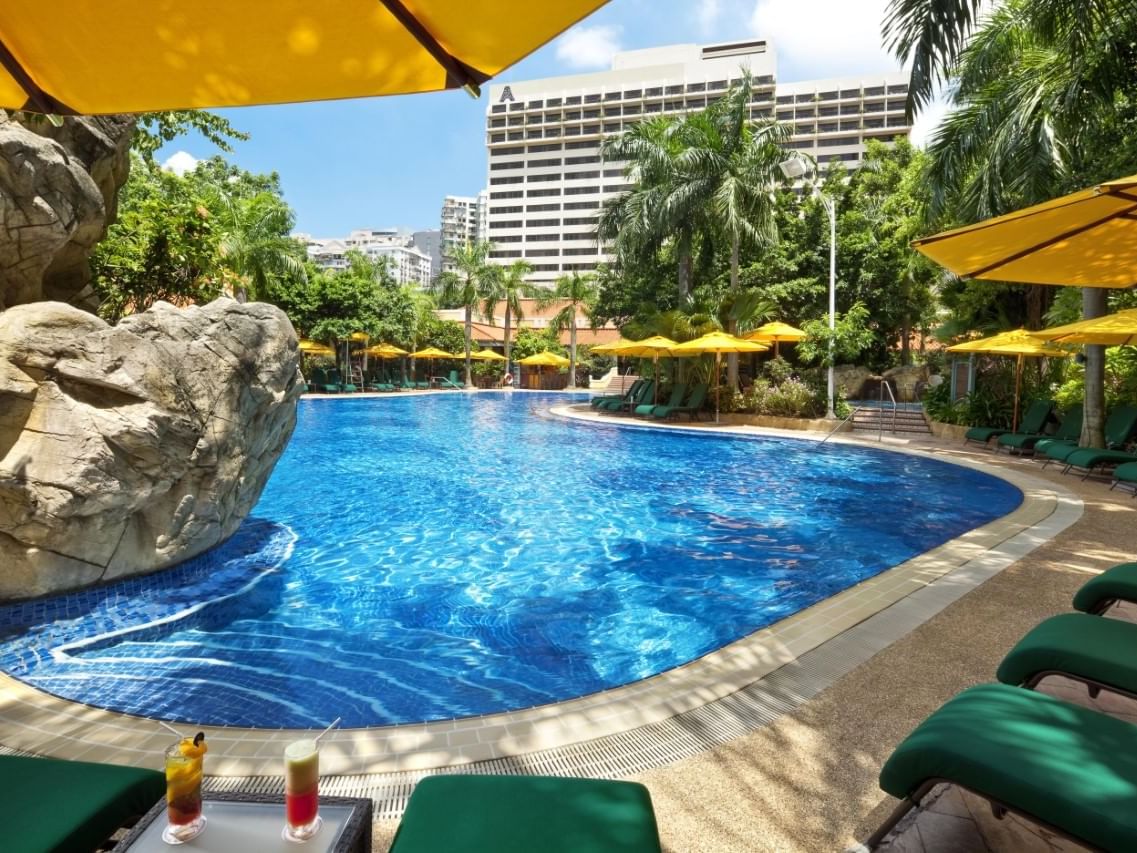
1068	432
1092	460
640	397
1099	593
1095	651
1033	423
326	382
524	814
53	805
1068	768
1125	475
1119	428
691	408
595	402
678	392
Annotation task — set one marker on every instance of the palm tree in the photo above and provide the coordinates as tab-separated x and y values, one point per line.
255	245
466	286
579	293
509	287
1037	88
662	205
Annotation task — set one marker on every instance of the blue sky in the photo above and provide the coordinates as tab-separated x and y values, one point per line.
389	161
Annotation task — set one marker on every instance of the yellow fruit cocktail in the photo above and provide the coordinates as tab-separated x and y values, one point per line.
301	790
183	789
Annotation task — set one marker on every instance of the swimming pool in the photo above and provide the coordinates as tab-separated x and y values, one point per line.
435	557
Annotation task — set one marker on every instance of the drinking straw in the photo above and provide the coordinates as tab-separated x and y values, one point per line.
172	729
335	723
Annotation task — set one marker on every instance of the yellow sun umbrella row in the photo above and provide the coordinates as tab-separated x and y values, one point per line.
315	348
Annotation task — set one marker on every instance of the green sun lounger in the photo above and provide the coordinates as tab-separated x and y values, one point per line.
678	392
1033	423
1069	431
1099	593
1119	428
1098	652
626	405
1061	765
62	806
1125	475
627	395
691	408
525	814
1090	460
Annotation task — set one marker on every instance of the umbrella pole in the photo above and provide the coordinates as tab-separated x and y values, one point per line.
718	365
1018	381
655	376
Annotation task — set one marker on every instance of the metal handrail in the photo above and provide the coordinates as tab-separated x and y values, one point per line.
847	418
884	386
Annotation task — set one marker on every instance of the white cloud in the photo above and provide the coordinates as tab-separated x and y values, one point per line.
589	47
824	38
180	162
928	119
707	13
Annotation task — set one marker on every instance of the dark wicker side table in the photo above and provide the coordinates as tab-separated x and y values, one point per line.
347	827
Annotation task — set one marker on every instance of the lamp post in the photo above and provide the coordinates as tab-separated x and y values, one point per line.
793	168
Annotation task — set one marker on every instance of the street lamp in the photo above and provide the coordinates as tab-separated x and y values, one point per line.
795	168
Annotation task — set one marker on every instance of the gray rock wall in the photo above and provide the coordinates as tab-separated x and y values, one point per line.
128	448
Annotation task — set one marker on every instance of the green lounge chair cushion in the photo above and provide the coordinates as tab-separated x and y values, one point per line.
71	805
1032	423
1071	767
677	395
523	814
1091	457
983	434
1043	446
1069	430
1118	583
1097	649
1126	472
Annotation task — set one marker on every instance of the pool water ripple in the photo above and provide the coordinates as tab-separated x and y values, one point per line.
427	558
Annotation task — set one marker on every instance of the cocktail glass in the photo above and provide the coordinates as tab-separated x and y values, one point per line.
301	790
183	795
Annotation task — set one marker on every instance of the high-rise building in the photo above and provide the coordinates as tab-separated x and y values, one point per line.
430	243
547	180
463	221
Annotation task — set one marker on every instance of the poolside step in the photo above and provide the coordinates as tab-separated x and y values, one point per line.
907	421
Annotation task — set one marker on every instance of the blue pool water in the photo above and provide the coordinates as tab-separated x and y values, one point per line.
437	557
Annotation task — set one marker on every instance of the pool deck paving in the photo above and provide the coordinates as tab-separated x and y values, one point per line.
804	776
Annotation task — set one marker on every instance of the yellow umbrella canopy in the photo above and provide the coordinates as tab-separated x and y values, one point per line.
1112	330
718	343
307	345
1019	343
385	351
776	332
653	348
612	348
544	359
487	355
319	351
215	53
1085	239
432	352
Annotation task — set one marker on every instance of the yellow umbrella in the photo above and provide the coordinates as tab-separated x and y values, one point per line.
307	345
432	352
610	349
1112	330
385	351
652	348
544	359
487	355
777	332
1085	239
213	53
1020	343
718	343
319	351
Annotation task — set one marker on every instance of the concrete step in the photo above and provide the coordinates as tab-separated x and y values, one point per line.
902	421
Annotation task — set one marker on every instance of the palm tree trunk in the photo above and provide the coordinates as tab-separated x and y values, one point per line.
905	344
507	319
1093	420
685	263
572	350
732	358
469	333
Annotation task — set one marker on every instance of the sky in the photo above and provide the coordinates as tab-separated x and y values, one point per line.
388	162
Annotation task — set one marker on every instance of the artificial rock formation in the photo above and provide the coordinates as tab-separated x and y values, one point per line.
57	196
128	448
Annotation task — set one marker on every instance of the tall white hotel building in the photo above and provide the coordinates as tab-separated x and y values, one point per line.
546	178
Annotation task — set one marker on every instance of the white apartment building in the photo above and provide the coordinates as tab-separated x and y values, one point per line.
547	181
464	220
408	264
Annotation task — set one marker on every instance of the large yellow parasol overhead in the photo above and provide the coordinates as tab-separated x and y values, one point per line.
1085	239
1019	343
654	348
122	56
718	343
1112	330
544	359
775	333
